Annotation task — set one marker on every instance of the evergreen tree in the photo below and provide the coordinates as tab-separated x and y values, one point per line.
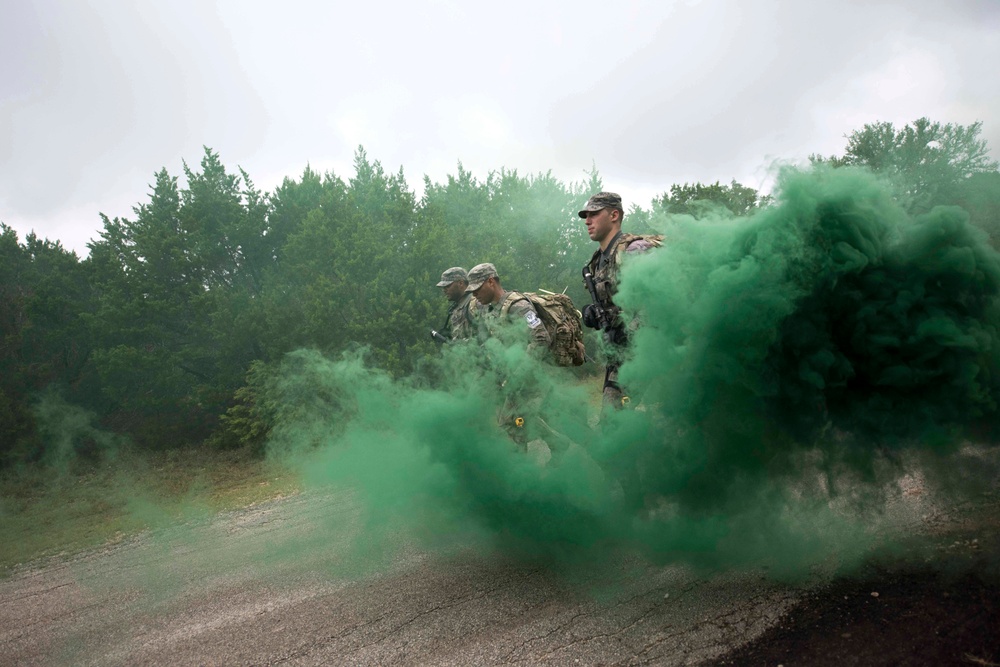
699	200
928	163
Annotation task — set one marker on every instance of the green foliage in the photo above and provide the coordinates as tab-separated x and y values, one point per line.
247	423
527	226
178	289
980	197
929	163
699	200
170	330
43	291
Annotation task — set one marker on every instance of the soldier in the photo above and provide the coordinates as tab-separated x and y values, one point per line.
500	306
460	324
500	309
604	213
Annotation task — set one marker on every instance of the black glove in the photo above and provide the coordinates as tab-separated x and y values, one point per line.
590	317
617	335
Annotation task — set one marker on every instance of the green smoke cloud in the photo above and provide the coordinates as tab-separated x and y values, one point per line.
831	318
433	464
784	364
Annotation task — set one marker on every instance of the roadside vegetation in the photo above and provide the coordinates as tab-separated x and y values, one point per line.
49	514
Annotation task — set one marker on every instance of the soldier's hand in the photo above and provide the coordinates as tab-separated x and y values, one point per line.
617	336
591	316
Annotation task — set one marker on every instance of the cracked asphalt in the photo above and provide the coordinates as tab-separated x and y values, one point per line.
106	607
206	594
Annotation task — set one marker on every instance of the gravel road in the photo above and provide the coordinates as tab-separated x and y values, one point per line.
215	593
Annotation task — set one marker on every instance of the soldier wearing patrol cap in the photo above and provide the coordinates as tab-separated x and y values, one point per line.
501	310
603	214
460	323
500	305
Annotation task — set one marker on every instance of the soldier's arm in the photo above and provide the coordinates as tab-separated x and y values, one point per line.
524	311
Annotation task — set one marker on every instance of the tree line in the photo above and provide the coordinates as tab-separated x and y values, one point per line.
166	333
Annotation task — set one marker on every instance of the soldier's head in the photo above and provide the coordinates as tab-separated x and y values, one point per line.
603	213
484	283
453	283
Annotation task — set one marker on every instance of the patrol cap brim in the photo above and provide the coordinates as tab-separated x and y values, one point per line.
479	274
601	201
451	275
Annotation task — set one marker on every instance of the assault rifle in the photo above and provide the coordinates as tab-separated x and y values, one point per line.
607	321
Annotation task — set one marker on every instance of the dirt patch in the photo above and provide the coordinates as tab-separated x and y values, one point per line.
938	606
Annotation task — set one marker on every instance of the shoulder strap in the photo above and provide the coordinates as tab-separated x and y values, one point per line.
594	259
510	300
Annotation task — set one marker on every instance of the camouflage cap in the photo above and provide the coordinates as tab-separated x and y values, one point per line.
479	274
601	201
451	275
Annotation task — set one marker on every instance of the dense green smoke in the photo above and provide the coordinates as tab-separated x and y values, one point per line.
830	320
784	363
433	464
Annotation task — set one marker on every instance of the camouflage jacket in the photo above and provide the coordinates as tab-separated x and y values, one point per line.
462	316
606	264
513	306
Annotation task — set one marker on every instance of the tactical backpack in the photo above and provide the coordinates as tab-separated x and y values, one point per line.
560	318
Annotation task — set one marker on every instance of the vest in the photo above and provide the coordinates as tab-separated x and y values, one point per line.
606	277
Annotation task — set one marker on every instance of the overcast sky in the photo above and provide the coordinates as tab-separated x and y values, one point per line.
97	96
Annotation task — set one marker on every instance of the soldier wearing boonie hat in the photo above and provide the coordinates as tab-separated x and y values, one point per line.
460	321
603	214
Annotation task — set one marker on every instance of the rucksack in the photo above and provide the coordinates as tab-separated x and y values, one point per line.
560	318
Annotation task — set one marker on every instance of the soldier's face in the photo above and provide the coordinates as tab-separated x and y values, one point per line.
601	224
455	290
486	292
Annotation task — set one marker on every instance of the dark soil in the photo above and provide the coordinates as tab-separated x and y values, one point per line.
940	605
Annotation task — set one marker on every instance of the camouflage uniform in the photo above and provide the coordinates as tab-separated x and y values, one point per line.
462	318
495	321
509	307
604	266
460	323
